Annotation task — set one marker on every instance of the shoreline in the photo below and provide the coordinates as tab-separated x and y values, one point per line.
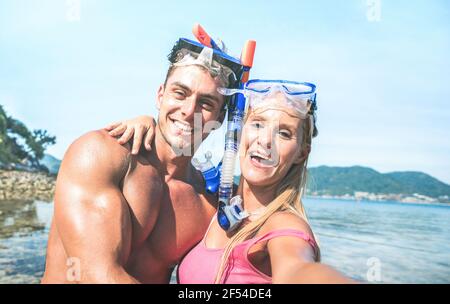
23	185
353	199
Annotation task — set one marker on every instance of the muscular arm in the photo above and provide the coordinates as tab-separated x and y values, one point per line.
293	259
292	262
91	214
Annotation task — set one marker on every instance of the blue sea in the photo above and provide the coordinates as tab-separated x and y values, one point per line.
376	242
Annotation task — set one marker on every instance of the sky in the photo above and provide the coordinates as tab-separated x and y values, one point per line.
382	68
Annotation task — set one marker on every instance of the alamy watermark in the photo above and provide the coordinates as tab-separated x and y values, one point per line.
373	13
374	272
73	10
73	273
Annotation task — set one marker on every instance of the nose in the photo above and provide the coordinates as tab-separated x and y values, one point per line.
188	108
265	138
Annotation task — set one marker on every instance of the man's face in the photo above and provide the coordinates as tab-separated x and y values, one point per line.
190	92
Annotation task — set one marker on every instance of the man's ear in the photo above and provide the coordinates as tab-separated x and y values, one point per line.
303	155
223	111
222	115
159	96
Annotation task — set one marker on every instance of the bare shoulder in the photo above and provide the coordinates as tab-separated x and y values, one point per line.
90	173
96	152
286	220
285	247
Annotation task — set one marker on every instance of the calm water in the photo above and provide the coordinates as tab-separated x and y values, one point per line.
408	243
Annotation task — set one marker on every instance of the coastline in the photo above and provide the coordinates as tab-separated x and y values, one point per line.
355	199
23	185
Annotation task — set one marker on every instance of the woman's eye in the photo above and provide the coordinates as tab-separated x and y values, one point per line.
284	134
257	125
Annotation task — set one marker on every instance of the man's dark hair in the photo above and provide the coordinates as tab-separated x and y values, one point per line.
174	56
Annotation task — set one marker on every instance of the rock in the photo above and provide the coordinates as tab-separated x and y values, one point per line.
21	185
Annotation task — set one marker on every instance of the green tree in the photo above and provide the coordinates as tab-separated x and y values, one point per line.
18	145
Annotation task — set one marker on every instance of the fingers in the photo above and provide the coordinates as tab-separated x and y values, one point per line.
137	140
112	126
149	138
126	136
118	130
141	129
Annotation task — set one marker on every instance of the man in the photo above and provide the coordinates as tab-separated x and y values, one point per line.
123	218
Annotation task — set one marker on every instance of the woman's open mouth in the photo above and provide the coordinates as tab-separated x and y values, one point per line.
261	160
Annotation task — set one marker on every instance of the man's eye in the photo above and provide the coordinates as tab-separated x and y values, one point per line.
207	105
179	94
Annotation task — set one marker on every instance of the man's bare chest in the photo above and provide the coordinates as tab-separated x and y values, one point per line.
169	220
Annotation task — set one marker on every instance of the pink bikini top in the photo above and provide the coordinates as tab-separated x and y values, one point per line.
201	264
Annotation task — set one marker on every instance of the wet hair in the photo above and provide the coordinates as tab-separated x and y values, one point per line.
315	131
175	55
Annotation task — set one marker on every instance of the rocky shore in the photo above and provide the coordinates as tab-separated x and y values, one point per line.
22	185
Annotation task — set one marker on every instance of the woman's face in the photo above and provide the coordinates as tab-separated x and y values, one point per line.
270	145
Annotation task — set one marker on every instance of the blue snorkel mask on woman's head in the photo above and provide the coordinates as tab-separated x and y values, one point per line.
300	96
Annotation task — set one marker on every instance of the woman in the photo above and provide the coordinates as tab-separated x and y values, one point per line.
275	243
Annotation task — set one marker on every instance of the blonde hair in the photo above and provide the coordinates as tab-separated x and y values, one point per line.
288	198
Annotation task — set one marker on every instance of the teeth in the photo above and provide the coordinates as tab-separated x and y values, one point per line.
257	154
183	127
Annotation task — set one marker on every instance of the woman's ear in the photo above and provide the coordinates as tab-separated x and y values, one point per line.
302	155
159	96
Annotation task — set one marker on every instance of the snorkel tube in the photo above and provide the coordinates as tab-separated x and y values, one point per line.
230	212
203	37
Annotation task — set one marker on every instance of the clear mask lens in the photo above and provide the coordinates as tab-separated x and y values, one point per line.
266	93
204	59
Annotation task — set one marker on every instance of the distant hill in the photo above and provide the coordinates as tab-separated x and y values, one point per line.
324	180
51	162
336	181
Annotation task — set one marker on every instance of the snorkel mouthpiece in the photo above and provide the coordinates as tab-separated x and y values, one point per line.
230	216
211	174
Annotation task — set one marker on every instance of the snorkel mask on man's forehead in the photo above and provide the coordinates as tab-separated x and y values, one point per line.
227	69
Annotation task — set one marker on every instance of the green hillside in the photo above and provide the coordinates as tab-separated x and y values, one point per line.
326	180
338	181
